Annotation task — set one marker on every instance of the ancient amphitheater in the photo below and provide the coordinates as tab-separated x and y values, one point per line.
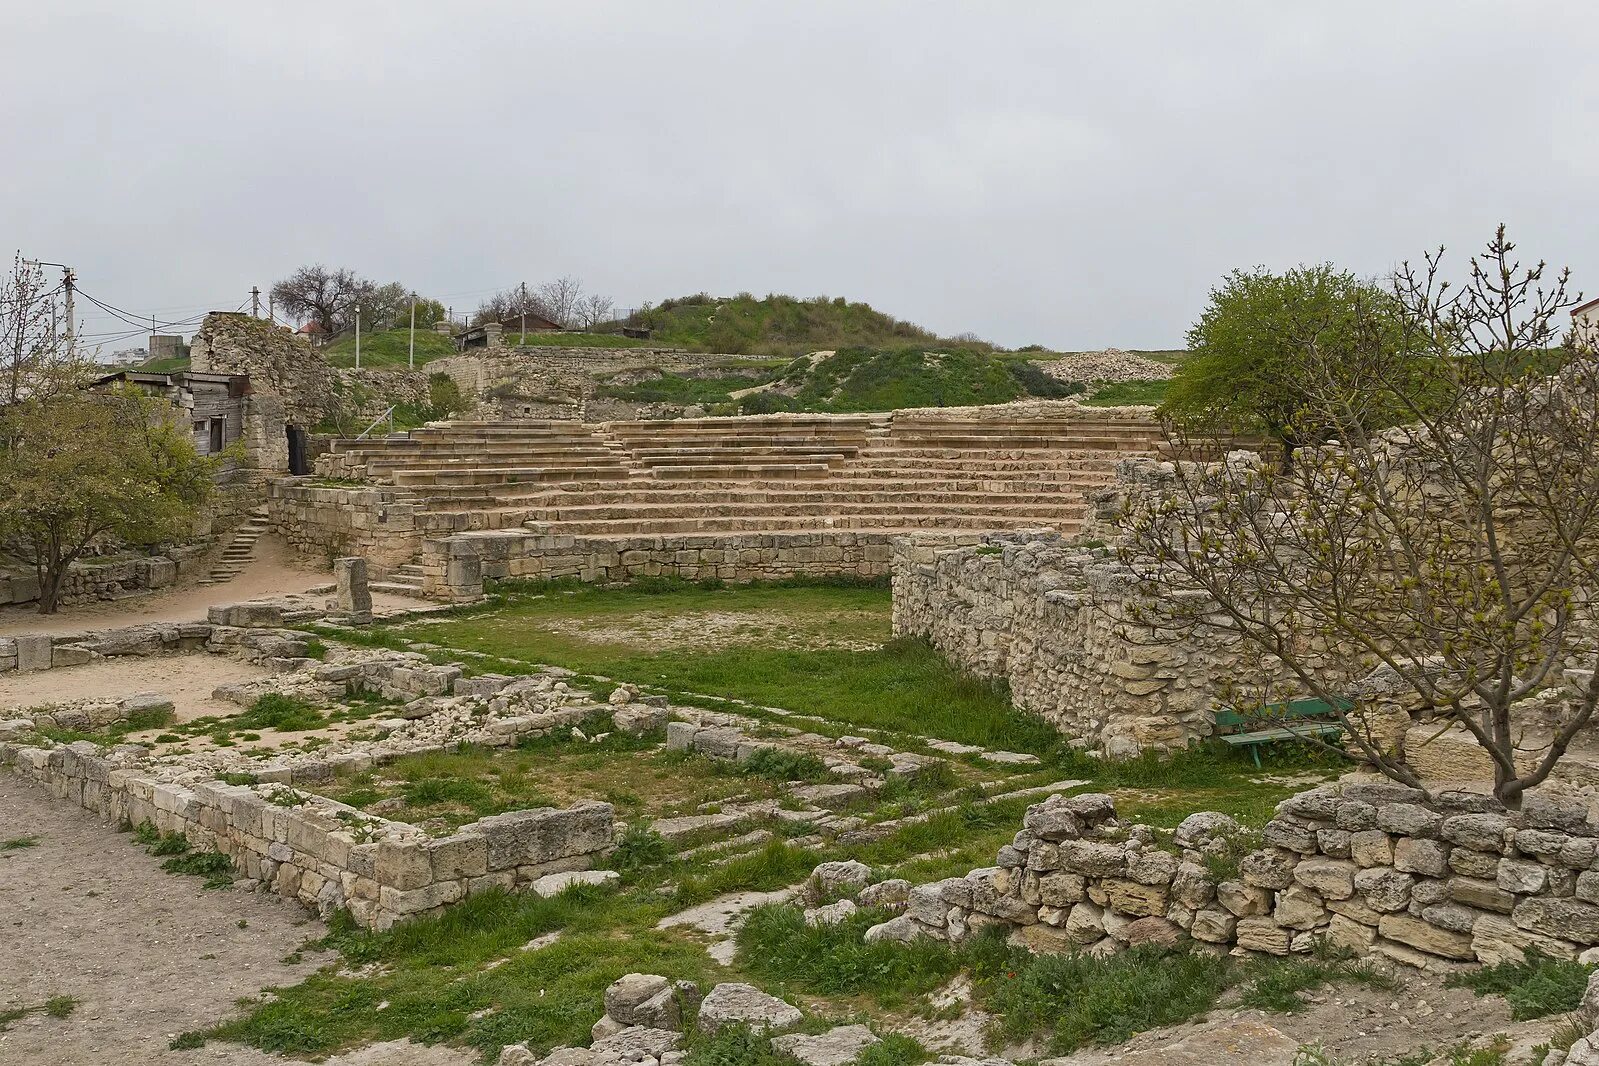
664	823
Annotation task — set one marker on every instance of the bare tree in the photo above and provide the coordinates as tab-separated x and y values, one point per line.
508	303
325	296
1449	533
28	333
594	309
561	299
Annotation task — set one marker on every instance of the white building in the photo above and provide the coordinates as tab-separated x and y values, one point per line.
1585	323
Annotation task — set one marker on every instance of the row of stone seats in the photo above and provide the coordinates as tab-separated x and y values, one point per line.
758	474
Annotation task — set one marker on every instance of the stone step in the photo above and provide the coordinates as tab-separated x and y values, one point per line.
742	524
1052	510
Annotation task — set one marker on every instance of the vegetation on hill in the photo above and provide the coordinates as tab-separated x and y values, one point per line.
389	348
169	364
859	379
773	325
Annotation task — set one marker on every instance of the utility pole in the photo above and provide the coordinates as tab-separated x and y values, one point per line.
523	341
410	355
358	336
68	281
255	301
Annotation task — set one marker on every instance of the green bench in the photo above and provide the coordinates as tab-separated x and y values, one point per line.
1299	718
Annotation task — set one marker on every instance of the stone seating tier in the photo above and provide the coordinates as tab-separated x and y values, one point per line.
755	474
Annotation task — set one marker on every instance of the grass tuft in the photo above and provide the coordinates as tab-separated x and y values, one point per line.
1534	988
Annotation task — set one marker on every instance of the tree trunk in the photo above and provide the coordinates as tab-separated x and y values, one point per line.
50	578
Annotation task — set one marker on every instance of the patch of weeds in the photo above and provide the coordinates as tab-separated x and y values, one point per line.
781	764
1274	984
18	843
287	714
148	718
735	1045
215	867
1535	988
146	833
1085	1000
55	1007
169	844
315	649
233	777
640	848
60	1006
835	960
187	1041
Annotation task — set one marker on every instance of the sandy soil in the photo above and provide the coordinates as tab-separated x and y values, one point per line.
187	679
150	954
273	572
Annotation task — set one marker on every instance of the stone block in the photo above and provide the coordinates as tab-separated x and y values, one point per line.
1423	936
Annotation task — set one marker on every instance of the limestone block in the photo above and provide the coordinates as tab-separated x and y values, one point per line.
1421	856
1496	939
1479	832
1299	908
1345	932
836	1047
1565	919
1329	878
1213	926
1132	898
1409	820
1484	895
736	1003
1243	899
33	651
1521	877
1384	889
1371	847
1262	934
1423	936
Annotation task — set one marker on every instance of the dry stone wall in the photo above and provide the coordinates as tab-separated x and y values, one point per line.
455	567
1053	621
112	578
1368	865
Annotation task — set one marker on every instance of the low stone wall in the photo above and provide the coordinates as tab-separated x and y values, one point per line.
383	525
1372	866
1054	622
113	578
456	567
323	853
44	651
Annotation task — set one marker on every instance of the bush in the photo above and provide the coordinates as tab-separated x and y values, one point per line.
1535	988
778	764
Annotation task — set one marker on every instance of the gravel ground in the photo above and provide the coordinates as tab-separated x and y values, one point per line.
86	913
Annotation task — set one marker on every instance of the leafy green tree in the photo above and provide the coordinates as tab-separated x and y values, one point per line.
1265	342
81	468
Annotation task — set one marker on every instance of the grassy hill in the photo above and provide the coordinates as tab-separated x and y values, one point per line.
389	348
773	325
859	379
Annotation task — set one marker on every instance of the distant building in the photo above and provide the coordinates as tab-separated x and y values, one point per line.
1585	323
313	332
211	404
165	346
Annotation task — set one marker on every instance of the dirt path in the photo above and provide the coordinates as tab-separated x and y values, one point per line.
187	679
149	954
273	572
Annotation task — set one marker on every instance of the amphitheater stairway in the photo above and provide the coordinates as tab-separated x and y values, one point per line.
404	580
758	474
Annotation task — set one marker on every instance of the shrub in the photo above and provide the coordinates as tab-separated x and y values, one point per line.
1535	988
779	764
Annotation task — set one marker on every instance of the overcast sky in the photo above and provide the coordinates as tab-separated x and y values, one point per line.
1072	174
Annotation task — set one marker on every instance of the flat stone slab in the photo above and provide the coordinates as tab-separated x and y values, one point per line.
555	884
734	1003
1009	758
836	1047
1236	1042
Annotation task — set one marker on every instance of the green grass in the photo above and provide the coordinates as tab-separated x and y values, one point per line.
442	791
55	1007
900	685
138	721
1074	1000
1535	988
576	340
889	379
1127	393
680	388
772	325
389	348
18	843
170	364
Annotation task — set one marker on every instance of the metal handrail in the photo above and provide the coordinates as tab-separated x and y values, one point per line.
386	416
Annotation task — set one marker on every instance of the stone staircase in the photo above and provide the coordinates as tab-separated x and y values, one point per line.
766	473
405	580
240	549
